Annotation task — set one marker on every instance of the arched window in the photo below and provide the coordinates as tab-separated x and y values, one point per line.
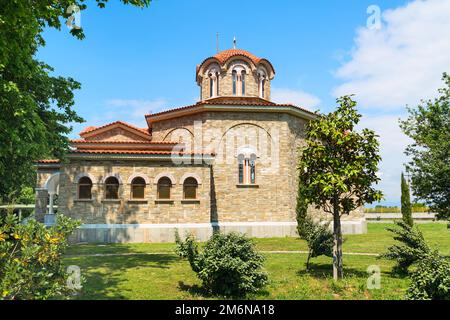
85	188
111	188
164	186
138	188
243	83
238	79
234	77
190	187
262	81
211	87
247	169
213	83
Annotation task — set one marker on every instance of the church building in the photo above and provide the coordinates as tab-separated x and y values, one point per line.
227	162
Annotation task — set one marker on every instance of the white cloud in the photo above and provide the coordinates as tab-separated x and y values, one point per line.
296	97
392	145
403	61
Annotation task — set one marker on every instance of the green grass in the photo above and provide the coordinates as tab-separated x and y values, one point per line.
162	275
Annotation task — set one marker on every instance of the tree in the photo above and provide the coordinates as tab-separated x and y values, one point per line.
429	126
412	247
338	167
406	203
31	259
36	107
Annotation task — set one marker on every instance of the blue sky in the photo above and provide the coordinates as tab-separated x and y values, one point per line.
134	61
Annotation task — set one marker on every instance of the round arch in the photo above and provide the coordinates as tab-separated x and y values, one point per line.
191	175
115	175
52	183
84	174
139	175
164	174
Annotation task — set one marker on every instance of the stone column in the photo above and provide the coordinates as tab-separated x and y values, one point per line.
40	208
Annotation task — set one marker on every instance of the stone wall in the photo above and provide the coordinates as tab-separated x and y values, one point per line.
128	211
274	196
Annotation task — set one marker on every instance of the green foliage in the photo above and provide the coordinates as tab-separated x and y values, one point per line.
431	280
37	108
339	163
429	126
406	203
30	258
338	166
412	248
228	266
318	237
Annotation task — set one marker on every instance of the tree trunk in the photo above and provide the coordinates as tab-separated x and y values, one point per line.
307	261
337	246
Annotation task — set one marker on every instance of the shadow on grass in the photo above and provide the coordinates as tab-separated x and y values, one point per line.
106	275
199	291
322	271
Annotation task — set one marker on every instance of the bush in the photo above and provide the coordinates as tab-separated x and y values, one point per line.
229	265
412	249
317	235
431	280
30	258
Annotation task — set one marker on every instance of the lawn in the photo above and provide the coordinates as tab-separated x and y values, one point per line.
153	271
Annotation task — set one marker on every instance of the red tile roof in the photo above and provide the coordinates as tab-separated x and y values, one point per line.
223	56
49	161
82	141
149	152
92	128
234	101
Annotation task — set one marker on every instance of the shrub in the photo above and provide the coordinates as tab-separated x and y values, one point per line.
406	202
412	248
318	237
30	258
229	265
431	280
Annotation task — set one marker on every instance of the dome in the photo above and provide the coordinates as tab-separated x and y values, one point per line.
234	72
223	56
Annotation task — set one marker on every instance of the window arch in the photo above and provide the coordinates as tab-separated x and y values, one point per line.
261	83
111	188
213	75
85	188
164	186
247	168
243	83
190	187
138	185
238	75
234	77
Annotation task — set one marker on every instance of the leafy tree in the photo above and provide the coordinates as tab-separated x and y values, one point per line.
429	126
431	280
229	265
338	167
406	203
36	107
30	259
412	248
